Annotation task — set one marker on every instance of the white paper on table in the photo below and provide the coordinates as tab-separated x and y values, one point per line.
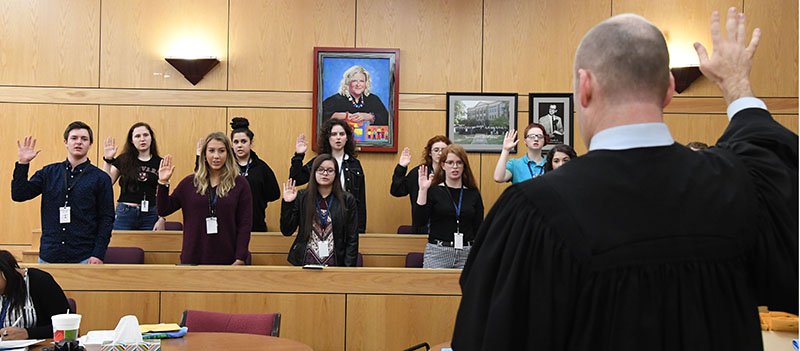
16	344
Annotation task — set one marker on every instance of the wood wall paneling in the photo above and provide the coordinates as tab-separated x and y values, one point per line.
50	43
439	41
789	122
313	319
529	45
138	34
775	64
703	128
393	322
272	41
102	310
46	123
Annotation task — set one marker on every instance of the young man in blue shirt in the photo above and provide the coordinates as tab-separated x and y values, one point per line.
77	200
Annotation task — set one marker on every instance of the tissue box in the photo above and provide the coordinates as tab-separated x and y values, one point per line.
147	345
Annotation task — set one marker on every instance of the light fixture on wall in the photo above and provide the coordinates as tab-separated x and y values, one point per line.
685	76
193	69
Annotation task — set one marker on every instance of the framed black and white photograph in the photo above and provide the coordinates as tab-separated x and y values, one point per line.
554	111
361	86
478	121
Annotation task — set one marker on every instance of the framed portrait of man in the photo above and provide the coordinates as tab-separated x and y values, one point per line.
554	111
359	85
479	121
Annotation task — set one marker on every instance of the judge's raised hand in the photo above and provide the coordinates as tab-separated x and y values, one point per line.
109	148
405	157
26	151
300	146
289	191
510	140
165	169
729	67
424	180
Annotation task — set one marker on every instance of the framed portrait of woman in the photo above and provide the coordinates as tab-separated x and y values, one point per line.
359	85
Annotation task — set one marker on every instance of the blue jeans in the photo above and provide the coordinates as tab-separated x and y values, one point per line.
130	218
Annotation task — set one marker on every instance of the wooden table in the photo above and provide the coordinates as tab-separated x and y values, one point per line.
222	341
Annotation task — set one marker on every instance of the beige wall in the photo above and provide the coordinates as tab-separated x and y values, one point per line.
102	61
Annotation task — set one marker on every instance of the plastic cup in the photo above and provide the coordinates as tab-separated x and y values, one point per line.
65	326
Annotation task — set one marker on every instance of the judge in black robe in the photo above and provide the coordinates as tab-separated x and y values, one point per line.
641	244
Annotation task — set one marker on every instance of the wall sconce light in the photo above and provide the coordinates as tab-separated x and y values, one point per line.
685	76
193	69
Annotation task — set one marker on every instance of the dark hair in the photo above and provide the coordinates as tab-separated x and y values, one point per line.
313	192
541	127
126	162
79	125
467	179
568	150
15	284
426	154
241	125
323	142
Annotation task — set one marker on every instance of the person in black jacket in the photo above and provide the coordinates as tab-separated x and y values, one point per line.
336	139
326	215
29	298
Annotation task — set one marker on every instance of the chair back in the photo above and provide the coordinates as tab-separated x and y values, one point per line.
173	226
406	229
124	255
206	321
414	259
73	306
360	260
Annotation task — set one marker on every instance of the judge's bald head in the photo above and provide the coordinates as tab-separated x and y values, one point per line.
628	57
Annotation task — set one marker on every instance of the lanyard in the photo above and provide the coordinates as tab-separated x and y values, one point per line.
212	201
246	168
6	304
323	217
67	174
533	175
457	206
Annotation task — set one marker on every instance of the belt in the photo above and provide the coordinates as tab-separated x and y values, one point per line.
448	243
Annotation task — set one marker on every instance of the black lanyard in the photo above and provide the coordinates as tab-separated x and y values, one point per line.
323	217
6	304
67	174
212	201
457	206
531	169
246	168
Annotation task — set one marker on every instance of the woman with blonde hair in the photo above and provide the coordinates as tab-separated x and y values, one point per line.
355	101
217	205
450	201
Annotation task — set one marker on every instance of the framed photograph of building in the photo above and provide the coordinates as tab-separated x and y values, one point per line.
361	86
478	121
554	111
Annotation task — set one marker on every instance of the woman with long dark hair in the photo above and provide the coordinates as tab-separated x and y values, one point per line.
137	171
450	201
326	215
29	298
558	156
335	139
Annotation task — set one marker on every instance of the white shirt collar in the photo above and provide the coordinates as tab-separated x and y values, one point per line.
632	136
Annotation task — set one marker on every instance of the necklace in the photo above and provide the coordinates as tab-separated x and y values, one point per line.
356	104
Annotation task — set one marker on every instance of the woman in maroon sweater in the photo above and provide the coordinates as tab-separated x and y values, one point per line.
217	206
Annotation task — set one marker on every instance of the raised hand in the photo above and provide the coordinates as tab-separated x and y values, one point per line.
424	180
510	140
405	157
109	148
289	191
199	146
165	169
300	146
26	151
729	67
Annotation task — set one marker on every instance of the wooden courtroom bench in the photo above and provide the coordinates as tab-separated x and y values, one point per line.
271	249
334	309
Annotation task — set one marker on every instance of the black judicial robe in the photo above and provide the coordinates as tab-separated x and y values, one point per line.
656	248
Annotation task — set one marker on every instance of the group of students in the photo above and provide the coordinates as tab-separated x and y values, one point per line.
226	196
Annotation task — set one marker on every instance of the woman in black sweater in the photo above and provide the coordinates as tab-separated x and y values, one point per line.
29	298
326	215
450	201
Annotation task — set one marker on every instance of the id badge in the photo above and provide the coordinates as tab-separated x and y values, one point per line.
322	249
63	215
144	206
458	241
211	225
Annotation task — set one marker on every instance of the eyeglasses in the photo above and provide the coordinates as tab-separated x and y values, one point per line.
453	164
535	136
325	171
